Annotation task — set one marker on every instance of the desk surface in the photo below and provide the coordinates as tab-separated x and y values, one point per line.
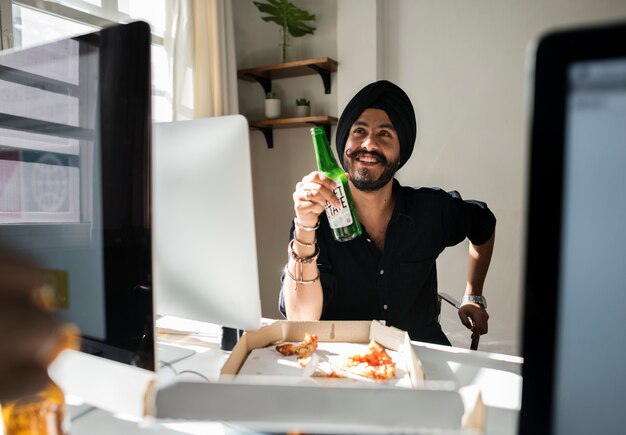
498	376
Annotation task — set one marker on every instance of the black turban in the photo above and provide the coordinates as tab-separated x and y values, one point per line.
394	101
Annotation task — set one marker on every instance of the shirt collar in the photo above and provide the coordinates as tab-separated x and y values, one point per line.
401	207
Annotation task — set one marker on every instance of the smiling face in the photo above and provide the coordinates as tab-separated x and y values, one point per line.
372	153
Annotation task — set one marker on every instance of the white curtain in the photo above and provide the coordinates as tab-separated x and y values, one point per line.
199	41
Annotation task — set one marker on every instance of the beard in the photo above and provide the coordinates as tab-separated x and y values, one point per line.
362	178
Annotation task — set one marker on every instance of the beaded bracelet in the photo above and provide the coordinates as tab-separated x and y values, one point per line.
300	262
304	227
299	259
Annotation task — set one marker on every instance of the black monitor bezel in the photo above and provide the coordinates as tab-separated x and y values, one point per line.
556	52
127	223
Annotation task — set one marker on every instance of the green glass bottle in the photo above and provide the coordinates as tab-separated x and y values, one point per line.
343	221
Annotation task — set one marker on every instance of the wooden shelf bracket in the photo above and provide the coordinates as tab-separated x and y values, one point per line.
268	132
265	83
324	74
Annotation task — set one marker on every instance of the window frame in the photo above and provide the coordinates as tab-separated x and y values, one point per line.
61	11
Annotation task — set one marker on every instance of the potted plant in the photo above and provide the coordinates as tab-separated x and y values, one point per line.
272	105
303	108
290	18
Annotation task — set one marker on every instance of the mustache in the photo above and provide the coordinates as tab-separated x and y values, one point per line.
358	153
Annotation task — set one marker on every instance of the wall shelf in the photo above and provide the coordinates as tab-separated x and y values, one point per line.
267	126
265	74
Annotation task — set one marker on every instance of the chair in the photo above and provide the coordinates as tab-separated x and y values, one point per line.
456	304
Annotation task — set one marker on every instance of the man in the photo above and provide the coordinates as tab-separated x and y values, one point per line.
29	333
389	272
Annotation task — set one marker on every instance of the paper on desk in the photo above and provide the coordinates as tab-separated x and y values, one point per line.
329	356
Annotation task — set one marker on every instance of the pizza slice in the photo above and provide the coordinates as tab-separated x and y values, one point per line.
303	350
374	364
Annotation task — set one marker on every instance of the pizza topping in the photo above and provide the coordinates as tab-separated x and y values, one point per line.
375	364
303	350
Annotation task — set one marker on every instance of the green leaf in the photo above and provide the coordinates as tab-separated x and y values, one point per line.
268	9
273	20
288	16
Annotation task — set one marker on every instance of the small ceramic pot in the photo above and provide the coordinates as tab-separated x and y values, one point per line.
272	107
303	111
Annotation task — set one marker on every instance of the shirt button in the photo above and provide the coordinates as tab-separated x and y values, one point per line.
382	271
369	240
385	307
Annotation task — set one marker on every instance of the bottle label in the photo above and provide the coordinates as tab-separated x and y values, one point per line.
341	217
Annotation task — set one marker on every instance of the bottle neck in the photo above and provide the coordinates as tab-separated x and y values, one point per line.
325	158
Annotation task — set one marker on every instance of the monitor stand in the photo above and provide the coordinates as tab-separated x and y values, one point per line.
230	337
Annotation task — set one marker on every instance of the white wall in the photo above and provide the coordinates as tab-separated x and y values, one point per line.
276	171
463	65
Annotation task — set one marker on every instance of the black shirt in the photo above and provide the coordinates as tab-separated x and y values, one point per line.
398	286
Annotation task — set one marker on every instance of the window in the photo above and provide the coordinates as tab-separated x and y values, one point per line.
34	22
32	27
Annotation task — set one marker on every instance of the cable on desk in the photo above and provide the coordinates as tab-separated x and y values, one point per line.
195	373
85	412
168	365
177	373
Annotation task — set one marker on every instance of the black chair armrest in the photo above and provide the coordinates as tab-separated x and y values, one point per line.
457	304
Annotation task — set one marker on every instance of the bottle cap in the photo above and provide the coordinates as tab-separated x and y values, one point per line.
317	129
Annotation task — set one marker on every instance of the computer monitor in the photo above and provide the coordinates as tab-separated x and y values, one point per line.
574	324
75	126
205	256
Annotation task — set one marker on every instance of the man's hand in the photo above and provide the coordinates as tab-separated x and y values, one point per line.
474	317
27	330
310	197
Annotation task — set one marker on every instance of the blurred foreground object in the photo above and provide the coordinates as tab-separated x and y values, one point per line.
43	413
30	339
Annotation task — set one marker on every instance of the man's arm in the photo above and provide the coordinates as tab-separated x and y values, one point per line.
302	290
303	300
478	265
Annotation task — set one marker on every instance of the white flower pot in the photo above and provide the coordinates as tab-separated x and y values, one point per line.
272	107
303	111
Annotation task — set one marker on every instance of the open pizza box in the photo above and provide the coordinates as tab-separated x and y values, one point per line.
265	390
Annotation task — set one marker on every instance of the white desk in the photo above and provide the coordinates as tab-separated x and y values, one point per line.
499	377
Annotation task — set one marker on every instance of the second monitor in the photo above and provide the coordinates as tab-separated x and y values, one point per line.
204	239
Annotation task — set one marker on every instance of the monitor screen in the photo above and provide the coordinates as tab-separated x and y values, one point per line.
75	181
205	256
576	243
